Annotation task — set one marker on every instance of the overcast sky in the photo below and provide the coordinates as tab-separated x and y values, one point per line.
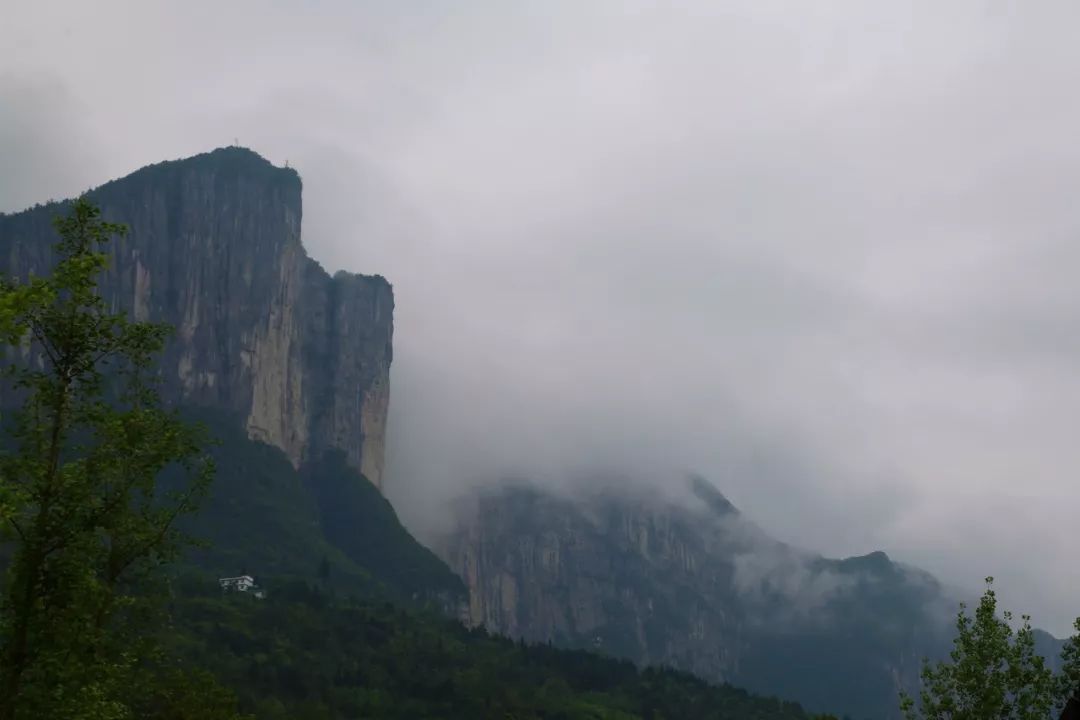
825	253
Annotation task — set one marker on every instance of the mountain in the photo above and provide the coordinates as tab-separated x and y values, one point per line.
323	523
288	368
262	331
688	581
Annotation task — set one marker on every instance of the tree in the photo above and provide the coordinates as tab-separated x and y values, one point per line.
994	672
79	498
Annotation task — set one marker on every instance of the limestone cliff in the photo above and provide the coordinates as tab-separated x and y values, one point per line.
262	330
691	583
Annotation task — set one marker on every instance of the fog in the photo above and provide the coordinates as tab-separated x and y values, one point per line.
822	253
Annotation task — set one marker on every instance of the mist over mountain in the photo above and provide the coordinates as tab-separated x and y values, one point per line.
687	580
287	367
819	253
817	257
679	576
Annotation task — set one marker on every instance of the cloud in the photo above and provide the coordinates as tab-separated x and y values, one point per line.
44	147
821	253
785	588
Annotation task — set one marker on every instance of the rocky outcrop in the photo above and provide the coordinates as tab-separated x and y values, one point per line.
622	576
690	582
300	357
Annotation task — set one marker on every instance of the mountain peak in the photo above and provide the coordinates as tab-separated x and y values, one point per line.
713	498
233	156
875	563
227	164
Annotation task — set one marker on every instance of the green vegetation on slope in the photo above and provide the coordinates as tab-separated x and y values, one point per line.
304	654
326	643
324	522
357	520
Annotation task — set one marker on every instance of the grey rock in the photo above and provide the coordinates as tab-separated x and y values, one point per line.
262	331
690	582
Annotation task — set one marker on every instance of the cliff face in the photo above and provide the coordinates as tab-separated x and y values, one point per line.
620	576
262	331
694	585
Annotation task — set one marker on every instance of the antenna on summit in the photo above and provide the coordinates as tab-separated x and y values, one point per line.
236	142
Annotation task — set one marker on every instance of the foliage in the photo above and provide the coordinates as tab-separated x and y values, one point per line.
361	523
994	673
325	521
303	653
325	643
88	527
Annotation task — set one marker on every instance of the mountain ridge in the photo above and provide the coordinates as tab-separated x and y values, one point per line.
697	586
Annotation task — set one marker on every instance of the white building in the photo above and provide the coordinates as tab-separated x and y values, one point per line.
243	583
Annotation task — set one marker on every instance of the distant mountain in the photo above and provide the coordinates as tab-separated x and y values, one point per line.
690	582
